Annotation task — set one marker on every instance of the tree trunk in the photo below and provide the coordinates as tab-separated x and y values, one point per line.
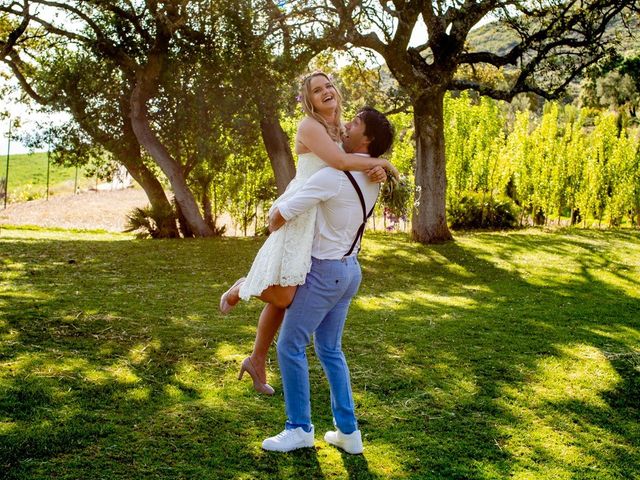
276	143
206	207
429	223
155	193
184	225
126	151
130	157
171	168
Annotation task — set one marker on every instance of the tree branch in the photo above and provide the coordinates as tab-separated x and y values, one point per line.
13	62
406	107
522	86
75	11
558	24
131	16
12	39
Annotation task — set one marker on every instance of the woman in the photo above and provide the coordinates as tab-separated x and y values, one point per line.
285	258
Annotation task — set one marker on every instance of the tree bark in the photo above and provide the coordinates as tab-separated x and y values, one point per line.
184	225
128	153
147	138
276	143
208	211
126	150
429	218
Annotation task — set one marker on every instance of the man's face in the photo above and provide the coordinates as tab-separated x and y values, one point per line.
354	139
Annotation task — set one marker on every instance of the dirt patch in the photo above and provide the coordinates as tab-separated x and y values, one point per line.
104	210
88	210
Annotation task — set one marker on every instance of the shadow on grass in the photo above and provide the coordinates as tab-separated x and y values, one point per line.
114	366
357	467
117	366
494	345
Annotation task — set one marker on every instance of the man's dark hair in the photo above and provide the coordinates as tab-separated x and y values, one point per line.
377	129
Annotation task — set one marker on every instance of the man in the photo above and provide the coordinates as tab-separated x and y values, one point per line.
320	305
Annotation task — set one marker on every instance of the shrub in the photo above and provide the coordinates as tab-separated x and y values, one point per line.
26	193
475	210
151	222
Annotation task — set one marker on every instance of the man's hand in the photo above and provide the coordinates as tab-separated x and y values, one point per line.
377	174
276	220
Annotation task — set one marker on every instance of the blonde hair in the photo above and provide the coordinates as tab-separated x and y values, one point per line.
334	128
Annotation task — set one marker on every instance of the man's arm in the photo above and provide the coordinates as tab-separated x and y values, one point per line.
321	186
315	137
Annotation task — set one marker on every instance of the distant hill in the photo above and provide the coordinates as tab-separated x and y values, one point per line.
28	177
493	37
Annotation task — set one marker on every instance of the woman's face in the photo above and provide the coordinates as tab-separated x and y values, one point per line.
323	95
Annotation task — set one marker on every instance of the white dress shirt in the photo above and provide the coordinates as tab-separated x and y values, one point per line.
339	209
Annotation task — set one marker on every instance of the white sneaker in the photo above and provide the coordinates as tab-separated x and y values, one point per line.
351	443
288	440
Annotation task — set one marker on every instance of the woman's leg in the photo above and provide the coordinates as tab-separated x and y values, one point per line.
277	299
268	324
278	295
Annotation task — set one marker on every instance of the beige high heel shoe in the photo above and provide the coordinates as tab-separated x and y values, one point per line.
225	307
247	366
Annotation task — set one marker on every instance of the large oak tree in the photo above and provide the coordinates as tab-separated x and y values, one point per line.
555	41
245	46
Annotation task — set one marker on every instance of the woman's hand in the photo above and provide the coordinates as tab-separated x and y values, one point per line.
377	174
387	165
276	220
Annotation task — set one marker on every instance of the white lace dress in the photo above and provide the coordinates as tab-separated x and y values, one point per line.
285	257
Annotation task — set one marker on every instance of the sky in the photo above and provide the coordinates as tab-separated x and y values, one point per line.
28	121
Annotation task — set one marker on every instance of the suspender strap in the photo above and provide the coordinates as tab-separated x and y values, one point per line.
365	215
359	192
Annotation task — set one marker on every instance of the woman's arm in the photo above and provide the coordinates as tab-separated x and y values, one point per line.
314	136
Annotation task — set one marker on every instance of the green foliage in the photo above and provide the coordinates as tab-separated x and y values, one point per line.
624	181
594	192
474	136
476	210
151	222
565	161
403	147
250	189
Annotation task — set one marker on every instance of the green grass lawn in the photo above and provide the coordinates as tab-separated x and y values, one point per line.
501	355
28	177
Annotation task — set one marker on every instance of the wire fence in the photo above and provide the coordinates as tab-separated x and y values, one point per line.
25	177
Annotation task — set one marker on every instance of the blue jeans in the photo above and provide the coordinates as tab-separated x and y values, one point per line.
320	308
